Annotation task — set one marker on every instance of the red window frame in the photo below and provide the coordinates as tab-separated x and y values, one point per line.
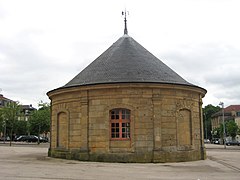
120	124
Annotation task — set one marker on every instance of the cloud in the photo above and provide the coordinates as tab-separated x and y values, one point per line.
214	67
33	64
26	71
44	44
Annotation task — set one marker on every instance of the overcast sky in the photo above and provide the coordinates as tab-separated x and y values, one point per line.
45	43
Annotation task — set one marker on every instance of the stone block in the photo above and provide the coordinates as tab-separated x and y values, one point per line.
98	132
123	144
169	131
75	132
168	119
98	138
97	144
144	137
168	125
146	125
168	113
143	144
73	145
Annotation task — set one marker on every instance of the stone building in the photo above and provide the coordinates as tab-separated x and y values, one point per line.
4	101
231	113
127	106
26	112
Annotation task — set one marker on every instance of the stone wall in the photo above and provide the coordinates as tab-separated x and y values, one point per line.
166	123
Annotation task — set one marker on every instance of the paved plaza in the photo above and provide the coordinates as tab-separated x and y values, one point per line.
30	161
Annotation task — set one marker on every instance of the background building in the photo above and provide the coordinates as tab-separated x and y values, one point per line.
26	112
231	112
23	114
4	101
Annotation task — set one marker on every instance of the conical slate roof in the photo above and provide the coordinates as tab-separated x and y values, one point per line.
126	61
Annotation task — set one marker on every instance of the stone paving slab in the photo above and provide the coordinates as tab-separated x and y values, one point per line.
25	162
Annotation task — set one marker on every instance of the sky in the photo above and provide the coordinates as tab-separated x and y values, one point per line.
45	43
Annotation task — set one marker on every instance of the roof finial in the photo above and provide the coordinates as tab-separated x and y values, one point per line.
124	13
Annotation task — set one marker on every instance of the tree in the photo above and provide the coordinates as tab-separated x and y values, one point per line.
216	132
39	121
208	111
231	128
221	131
10	113
1	121
21	127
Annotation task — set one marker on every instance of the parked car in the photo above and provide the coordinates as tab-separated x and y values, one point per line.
21	138
5	138
232	143
216	141
45	139
206	141
33	138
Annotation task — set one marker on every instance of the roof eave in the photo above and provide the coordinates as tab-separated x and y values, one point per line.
204	91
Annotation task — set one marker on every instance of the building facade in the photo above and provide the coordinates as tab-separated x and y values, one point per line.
127	106
26	111
4	101
231	112
23	114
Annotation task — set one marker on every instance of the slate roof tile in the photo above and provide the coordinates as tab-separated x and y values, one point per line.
126	61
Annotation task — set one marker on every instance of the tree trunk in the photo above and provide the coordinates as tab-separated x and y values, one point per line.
11	136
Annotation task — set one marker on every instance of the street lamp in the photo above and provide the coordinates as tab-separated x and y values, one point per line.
224	132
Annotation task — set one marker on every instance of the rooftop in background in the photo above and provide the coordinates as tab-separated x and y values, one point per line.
27	109
228	111
232	108
4	100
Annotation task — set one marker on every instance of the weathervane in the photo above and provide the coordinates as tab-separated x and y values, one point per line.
125	13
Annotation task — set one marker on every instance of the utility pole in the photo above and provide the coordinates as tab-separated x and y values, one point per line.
223	121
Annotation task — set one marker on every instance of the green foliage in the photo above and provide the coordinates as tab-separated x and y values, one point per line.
1	118
1	121
216	132
21	127
208	111
9	114
221	130
39	121
231	129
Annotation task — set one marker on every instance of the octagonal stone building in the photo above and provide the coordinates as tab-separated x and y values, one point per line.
127	106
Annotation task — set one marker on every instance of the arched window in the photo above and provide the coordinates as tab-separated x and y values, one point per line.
120	124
